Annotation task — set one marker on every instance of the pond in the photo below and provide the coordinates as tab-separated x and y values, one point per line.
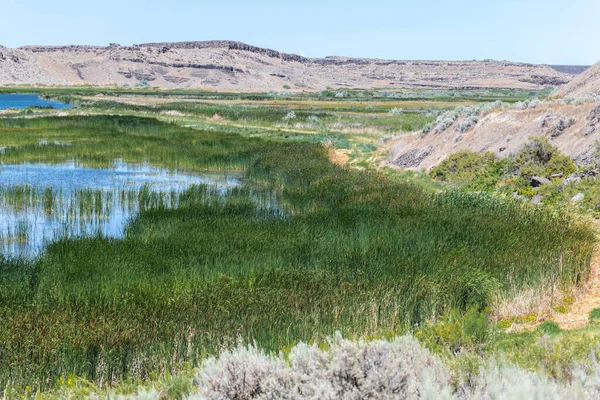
21	101
43	202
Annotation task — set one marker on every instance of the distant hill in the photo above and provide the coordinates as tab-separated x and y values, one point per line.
586	84
571	69
229	65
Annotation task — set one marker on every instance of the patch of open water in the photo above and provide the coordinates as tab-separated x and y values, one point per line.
42	202
21	101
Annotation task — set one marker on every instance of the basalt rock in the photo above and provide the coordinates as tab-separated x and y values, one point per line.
231	45
412	158
537	181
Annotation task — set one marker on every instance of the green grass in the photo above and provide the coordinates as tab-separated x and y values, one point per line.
479	95
357	252
327	119
595	315
549	328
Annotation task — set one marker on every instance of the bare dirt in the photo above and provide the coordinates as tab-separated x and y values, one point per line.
226	65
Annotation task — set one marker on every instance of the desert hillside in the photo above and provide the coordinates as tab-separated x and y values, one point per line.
230	65
586	84
573	128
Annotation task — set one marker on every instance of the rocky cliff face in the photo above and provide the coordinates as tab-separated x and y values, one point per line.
229	65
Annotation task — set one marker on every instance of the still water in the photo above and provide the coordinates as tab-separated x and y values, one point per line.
20	101
42	202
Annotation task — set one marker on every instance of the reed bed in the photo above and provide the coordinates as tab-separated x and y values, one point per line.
354	252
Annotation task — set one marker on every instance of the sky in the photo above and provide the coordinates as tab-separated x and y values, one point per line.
537	31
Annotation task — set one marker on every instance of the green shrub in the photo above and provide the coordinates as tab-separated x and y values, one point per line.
549	328
463	166
540	157
457	331
538	150
559	164
595	315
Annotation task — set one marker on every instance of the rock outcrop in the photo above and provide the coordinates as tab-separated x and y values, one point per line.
230	65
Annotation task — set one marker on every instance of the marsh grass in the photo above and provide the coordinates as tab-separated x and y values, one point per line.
349	119
355	252
36	216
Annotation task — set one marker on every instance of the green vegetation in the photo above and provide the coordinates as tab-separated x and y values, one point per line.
477	95
595	315
312	119
304	249
470	168
484	171
358	252
538	158
549	328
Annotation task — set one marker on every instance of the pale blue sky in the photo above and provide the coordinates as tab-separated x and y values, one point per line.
540	31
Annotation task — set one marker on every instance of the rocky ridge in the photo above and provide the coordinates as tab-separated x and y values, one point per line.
231	65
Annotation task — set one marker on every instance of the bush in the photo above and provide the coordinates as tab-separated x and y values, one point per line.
463	166
444	124
539	157
455	332
346	370
467	124
560	126
509	382
289	116
559	164
595	315
400	369
245	373
549	328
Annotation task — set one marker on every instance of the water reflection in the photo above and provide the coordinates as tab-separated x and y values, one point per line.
42	202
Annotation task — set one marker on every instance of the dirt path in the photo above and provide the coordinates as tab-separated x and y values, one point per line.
578	315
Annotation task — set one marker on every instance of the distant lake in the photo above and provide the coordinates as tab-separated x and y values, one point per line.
20	101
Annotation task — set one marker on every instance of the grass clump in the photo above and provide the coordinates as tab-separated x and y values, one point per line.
548	328
457	332
595	315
